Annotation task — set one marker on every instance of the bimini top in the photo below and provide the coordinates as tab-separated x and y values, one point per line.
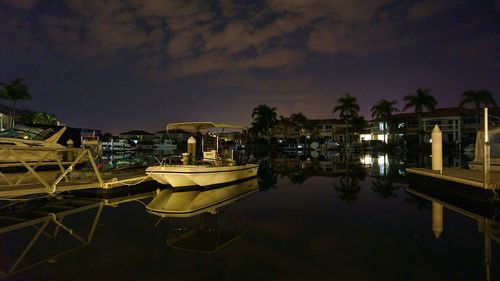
198	126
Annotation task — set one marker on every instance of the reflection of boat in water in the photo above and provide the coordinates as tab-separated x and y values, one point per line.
41	231
30	145
214	167
48	223
203	221
171	203
485	217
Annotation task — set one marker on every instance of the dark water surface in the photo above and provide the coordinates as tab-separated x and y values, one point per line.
312	220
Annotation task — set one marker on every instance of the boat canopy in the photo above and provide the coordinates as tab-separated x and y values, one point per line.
198	126
494	137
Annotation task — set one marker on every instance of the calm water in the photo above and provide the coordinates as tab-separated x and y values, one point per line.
316	219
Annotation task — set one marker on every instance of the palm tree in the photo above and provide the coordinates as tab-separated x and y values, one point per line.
420	101
358	124
477	97
40	118
300	121
383	111
263	118
13	92
348	107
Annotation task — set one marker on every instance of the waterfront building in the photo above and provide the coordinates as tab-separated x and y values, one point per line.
459	125
137	136
323	130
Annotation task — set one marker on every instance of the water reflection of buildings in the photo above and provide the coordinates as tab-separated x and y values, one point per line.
203	220
485	217
336	165
41	231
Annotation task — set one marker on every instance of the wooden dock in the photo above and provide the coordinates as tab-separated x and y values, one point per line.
463	182
463	176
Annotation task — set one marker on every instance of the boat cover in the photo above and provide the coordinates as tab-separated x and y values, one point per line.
199	126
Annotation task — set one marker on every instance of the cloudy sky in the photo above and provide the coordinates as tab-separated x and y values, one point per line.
131	64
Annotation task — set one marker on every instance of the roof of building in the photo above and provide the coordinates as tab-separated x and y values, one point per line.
136	132
445	112
328	121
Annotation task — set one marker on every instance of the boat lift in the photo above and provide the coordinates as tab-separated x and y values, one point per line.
66	177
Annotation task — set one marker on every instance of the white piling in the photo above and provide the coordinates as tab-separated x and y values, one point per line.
486	150
437	149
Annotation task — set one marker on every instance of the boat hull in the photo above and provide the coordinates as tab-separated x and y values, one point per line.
192	175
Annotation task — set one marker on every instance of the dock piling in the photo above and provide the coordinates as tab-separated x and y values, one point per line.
437	149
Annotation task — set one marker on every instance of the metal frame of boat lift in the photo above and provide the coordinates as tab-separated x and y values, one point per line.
41	226
60	210
79	155
65	168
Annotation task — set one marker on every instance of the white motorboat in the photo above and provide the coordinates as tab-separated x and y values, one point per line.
212	168
29	146
478	162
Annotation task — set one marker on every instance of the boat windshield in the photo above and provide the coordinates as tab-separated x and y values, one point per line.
27	133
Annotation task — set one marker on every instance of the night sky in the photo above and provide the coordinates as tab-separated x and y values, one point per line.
129	64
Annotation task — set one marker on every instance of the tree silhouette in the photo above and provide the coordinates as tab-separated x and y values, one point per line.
383	111
14	92
421	100
348	108
384	187
477	97
263	118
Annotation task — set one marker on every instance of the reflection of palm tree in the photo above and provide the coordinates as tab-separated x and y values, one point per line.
420	101
348	107
349	184
384	187
266	175
13	92
348	188
477	98
300	176
263	118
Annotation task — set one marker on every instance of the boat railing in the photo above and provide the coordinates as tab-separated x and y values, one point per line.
170	160
30	159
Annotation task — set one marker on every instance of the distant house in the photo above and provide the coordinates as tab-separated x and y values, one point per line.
137	136
320	129
5	119
173	135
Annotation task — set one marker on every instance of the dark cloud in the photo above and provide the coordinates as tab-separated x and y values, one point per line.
275	51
